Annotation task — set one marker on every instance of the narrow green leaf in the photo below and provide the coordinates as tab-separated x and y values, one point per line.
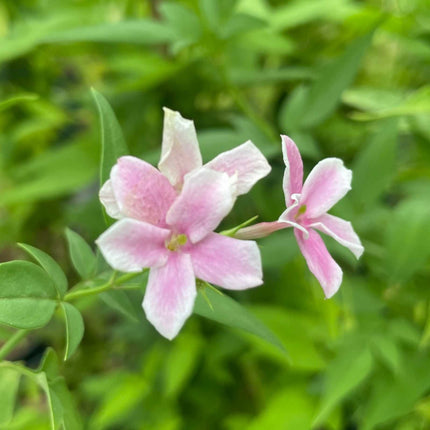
344	374
325	93
81	254
27	295
407	240
62	408
51	267
227	311
19	98
74	328
144	31
113	143
375	165
9	382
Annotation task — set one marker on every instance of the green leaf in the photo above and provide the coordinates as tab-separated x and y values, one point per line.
325	93
375	165
9	382
120	301
62	409
183	355
81	254
113	143
183	22
51	267
227	311
74	328
144	31
344	374
407	240
27	295
240	24
417	103
19	98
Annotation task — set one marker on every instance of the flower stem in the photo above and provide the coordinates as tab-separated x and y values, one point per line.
113	281
12	342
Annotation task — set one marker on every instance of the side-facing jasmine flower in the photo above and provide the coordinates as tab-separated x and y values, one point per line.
167	219
307	206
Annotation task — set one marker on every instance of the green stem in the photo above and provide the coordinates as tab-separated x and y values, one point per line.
101	288
12	342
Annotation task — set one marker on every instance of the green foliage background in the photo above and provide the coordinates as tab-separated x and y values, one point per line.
344	78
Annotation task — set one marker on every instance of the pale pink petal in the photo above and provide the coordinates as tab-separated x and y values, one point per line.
170	294
141	191
180	153
293	175
229	263
327	183
205	200
340	230
246	161
262	229
320	262
130	245
108	200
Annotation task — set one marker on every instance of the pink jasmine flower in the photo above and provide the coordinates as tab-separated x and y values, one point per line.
167	219
307	206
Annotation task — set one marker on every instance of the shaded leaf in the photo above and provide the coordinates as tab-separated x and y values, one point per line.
74	328
120	301
9	382
113	143
227	311
81	254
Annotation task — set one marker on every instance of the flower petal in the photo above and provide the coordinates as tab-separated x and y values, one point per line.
229	263
320	262
293	175
341	231
180	153
246	161
130	245
141	191
327	183
108	200
170	294
205	200
262	229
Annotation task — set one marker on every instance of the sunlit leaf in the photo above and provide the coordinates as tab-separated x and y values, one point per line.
51	267
9	382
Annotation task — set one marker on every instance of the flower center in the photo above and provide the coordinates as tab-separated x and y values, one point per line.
176	241
300	212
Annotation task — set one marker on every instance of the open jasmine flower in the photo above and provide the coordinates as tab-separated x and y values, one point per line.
307	206
167	219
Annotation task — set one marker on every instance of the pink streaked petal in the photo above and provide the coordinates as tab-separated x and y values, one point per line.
246	161
205	200
320	262
141	191
108	200
229	263
293	175
170	294
180	153
262	229
130	245
340	230
327	183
